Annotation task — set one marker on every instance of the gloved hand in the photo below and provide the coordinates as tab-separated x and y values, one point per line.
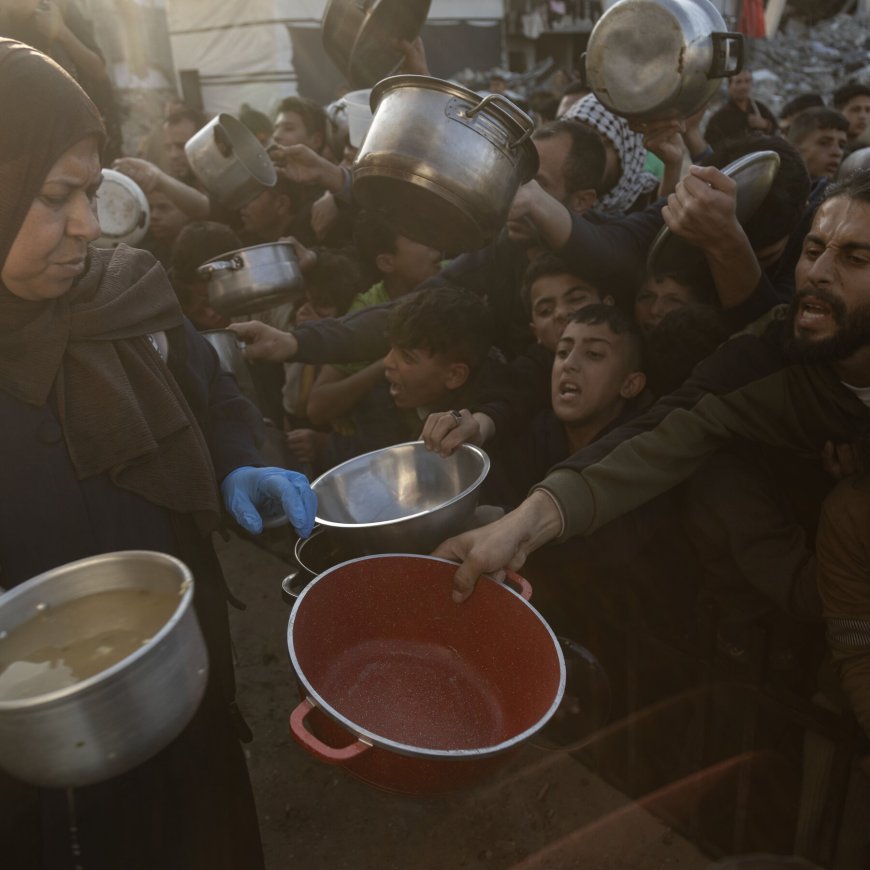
252	494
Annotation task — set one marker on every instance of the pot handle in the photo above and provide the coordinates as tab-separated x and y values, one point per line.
206	270
511	578
316	747
496	99
721	54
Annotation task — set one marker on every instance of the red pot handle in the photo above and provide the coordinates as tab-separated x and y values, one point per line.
514	579
316	747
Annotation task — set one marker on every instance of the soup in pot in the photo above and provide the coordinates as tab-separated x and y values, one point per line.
67	643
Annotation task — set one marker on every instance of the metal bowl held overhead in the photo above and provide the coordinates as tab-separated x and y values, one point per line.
252	279
402	499
442	161
122	210
359	35
230	162
109	722
656	59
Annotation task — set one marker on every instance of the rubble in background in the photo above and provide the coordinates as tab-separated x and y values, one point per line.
801	58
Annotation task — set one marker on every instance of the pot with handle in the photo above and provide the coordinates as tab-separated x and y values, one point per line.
444	161
230	162
107	723
657	59
252	279
407	690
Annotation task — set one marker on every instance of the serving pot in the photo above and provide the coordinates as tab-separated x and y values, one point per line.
230	162
252	279
358	35
407	690
109	723
232	359
401	499
444	161
658	59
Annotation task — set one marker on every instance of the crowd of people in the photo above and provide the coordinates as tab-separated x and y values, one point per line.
716	399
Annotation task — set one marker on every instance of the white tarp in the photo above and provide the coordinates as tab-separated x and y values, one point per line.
242	50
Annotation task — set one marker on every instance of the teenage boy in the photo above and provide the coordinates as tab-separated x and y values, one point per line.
551	293
300	122
595	383
820	134
853	100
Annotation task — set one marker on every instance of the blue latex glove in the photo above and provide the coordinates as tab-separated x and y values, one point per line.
254	494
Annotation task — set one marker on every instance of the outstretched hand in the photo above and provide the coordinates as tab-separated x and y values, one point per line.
264	342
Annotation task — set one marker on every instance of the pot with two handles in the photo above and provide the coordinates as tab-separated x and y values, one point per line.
651	60
410	692
444	161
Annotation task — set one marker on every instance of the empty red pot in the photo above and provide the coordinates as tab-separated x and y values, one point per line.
409	691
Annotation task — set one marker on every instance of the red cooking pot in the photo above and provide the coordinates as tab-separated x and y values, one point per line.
407	690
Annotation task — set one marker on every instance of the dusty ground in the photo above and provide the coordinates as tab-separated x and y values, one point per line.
543	810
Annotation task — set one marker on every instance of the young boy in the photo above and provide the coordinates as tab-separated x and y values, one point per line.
401	264
597	382
439	341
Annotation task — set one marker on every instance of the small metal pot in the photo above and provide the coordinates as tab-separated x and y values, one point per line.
656	59
122	210
252	279
229	350
230	162
358	35
111	722
443	160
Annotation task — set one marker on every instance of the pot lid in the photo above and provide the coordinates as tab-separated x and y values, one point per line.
122	210
754	174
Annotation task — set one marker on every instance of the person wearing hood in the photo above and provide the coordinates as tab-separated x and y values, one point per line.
118	431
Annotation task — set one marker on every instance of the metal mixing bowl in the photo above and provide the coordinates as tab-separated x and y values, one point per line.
402	499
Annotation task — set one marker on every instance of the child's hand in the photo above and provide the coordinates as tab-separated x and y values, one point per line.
305	445
444	432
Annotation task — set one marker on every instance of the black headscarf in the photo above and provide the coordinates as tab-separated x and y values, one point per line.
43	113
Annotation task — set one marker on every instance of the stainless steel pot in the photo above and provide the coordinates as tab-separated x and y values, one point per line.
113	721
252	279
658	59
358	35
230	162
445	162
232	359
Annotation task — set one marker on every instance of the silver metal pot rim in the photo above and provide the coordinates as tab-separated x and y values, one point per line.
105	676
515	115
363	526
228	255
373	739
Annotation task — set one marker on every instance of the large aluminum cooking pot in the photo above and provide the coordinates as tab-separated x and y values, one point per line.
230	162
410	692
400	499
110	722
252	279
657	59
358	35
445	162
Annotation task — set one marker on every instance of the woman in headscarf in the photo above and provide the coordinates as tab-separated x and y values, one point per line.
625	179
116	426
